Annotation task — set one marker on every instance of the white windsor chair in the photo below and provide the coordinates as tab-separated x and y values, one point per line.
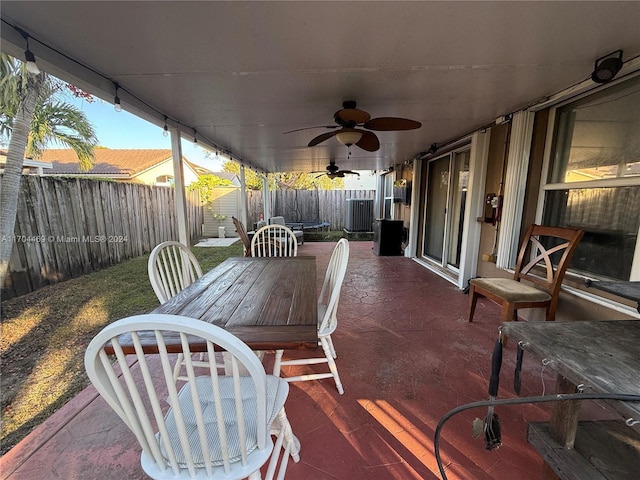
216	426
274	241
327	313
172	267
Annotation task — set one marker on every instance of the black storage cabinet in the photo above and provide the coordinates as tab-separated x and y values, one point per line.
387	237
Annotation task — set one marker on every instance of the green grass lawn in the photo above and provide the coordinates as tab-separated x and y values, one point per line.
45	333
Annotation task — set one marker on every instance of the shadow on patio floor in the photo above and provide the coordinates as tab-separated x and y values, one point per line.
406	355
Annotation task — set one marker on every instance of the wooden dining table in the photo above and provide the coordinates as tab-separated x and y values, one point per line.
268	303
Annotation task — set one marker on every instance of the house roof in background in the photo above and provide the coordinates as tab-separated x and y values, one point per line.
200	170
107	161
226	175
27	162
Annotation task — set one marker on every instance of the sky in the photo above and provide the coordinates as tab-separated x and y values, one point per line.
124	130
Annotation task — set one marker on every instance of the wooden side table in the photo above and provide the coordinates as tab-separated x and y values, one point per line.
602	357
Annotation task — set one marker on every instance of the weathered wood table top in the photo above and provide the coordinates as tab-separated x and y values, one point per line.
604	356
269	303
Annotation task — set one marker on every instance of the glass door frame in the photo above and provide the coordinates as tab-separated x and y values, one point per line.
472	228
478	145
444	263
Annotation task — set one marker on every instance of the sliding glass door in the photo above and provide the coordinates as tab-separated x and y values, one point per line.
447	184
437	196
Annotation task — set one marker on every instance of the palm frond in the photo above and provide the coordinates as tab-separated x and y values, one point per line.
63	124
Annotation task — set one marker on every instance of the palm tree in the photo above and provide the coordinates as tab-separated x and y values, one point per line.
30	118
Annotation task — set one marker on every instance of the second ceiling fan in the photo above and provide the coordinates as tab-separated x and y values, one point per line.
334	172
349	118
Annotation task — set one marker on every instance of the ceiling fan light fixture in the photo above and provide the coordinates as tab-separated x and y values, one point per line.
349	138
607	67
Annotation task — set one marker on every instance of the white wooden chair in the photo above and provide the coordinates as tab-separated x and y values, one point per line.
274	241
297	228
328	321
214	426
172	267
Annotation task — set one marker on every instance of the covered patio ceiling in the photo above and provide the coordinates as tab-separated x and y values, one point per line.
242	74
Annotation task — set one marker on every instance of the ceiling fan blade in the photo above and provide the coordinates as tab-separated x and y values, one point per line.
349	172
353	116
391	123
369	142
321	138
310	128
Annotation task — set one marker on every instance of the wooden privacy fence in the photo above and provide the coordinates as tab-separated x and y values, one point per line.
306	205
67	227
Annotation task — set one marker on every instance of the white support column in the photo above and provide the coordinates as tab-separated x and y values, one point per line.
266	197
475	204
243	198
178	175
414	218
378	204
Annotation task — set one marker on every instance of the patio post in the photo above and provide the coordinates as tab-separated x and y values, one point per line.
178	175
243	197
266	198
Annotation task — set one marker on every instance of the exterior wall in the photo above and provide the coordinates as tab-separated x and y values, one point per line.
574	308
573	304
402	211
496	163
149	176
226	201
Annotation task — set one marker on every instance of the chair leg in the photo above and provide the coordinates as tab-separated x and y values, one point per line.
177	367
508	314
332	364
275	454
333	349
276	363
285	440
551	311
289	437
473	298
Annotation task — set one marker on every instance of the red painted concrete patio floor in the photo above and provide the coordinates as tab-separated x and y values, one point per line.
406	355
